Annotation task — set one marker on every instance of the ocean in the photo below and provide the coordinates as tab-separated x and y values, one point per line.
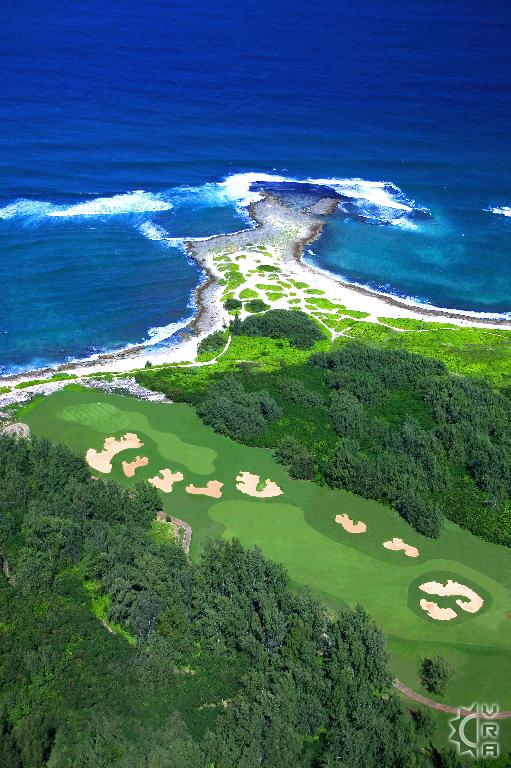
128	126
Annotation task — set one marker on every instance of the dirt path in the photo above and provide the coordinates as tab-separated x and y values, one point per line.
187	529
5	568
445	707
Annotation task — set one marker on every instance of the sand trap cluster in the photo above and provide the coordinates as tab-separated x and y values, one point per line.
129	467
247	483
398	544
472	604
349	525
213	489
435	612
102	460
166	481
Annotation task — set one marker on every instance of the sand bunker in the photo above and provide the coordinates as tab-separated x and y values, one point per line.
166	481
453	588
129	467
213	489
437	613
247	483
398	544
102	460
350	526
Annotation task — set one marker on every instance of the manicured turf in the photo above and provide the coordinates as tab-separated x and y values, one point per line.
298	530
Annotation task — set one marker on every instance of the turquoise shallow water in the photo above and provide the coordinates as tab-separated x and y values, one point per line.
119	124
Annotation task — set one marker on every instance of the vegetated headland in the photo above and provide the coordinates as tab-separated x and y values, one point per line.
266	262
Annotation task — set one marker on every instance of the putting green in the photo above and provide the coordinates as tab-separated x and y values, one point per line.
105	416
298	529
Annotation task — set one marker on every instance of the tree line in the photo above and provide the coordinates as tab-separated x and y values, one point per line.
388	425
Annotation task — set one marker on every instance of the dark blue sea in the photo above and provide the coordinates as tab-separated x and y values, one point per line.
126	126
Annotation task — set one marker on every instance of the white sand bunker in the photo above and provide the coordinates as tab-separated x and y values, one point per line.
349	525
129	467
247	483
472	603
435	612
102	460
213	489
166	481
397	544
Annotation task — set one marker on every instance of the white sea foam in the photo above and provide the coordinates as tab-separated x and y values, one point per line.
30	209
372	198
404	223
504	210
127	203
160	333
154	232
383	194
130	202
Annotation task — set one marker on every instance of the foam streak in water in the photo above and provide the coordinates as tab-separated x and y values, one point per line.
504	210
130	202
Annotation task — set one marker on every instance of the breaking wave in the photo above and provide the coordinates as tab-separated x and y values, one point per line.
504	210
136	202
371	201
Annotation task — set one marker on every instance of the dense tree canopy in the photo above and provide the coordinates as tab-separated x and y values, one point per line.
230	409
297	326
391	426
116	650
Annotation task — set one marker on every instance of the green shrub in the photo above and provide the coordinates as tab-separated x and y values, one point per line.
256	305
212	343
233	411
231	304
435	674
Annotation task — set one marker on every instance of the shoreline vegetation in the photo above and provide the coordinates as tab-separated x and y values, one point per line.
267	262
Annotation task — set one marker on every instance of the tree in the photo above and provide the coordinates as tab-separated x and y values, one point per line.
435	674
296	457
9	752
294	325
230	409
212	343
347	414
424	722
231	304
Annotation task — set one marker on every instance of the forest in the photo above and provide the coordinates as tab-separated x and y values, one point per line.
386	424
117	650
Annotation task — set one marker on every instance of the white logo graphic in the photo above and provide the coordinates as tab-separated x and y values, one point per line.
475	730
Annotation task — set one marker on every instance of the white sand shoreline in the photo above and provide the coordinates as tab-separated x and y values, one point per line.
283	234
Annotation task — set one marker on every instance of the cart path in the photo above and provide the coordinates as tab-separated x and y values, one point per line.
410	694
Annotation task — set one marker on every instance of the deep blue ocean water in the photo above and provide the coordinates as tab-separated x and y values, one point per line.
119	122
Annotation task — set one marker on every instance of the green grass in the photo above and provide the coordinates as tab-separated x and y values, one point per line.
271	296
320	303
298	530
248	293
57	377
480	352
410	324
356	313
100	604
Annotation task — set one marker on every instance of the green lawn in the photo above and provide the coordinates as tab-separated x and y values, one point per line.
298	530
